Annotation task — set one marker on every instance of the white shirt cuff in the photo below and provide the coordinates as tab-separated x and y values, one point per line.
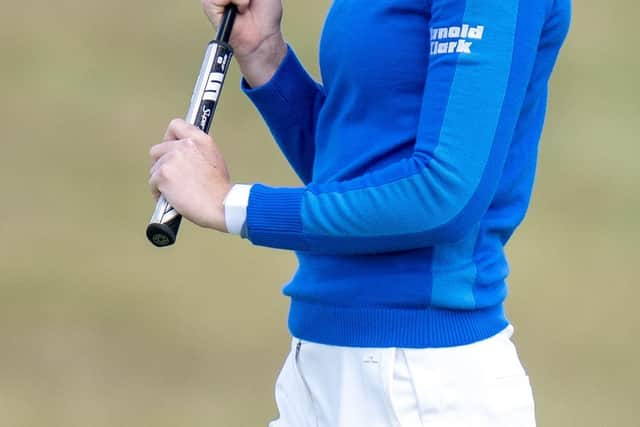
235	208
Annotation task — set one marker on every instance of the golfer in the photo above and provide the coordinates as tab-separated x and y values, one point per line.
417	156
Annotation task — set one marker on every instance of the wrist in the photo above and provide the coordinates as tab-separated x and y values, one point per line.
259	66
215	210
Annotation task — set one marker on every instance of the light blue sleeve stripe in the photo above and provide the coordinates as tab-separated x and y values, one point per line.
440	189
454	270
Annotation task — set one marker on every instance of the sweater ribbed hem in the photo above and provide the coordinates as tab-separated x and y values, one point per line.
393	327
273	216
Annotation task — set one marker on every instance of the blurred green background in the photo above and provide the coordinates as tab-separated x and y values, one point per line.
98	328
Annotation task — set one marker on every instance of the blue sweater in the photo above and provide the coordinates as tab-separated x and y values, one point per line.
417	155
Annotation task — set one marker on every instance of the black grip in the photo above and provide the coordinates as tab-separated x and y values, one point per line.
226	25
165	222
164	234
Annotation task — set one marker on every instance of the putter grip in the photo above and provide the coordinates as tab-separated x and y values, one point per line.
165	221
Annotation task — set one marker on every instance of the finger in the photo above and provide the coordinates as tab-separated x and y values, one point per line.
180	129
154	182
154	193
219	5
242	5
163	148
214	9
162	172
167	152
157	164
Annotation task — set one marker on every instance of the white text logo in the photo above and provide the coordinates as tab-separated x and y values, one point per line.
455	39
212	89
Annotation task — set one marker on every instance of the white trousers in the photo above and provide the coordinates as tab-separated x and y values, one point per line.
477	385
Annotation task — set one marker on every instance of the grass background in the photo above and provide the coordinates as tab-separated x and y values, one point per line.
98	328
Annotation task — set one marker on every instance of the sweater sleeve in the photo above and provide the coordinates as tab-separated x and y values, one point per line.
289	104
472	99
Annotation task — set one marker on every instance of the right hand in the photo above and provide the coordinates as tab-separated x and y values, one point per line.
256	38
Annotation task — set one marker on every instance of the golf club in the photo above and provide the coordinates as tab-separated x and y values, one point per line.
165	221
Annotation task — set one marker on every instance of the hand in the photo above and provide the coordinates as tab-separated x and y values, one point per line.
256	37
190	172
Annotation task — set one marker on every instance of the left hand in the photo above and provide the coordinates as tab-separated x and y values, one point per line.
190	172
